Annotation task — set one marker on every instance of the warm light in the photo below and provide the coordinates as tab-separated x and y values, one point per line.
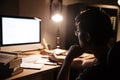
118	2
57	18
37	19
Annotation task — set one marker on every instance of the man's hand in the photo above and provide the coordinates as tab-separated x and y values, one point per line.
74	52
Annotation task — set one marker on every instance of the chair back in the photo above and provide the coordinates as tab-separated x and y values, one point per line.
114	62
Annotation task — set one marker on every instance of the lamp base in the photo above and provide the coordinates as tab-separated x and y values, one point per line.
58	47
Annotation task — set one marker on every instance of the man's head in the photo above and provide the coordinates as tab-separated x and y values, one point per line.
93	27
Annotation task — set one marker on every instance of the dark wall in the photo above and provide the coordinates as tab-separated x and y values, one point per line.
72	11
75	9
9	7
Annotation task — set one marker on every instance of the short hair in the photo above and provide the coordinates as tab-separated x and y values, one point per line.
97	23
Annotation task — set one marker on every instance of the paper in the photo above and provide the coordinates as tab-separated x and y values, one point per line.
35	62
30	59
85	55
32	65
45	61
59	51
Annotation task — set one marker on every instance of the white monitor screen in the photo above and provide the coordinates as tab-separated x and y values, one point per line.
20	30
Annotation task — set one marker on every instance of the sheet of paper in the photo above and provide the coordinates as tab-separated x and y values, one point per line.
59	51
45	61
85	55
32	65
30	59
35	62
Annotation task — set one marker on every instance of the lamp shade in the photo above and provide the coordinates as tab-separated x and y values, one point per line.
118	2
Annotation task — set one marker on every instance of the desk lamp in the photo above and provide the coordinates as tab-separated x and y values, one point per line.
56	9
118	2
57	18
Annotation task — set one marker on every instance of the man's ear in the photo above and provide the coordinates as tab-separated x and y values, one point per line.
88	36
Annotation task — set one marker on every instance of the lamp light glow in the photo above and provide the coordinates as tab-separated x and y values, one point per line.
57	18
118	2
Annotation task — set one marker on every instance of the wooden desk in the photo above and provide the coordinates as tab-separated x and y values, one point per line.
47	72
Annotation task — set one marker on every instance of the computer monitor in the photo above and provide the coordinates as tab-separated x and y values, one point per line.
17	30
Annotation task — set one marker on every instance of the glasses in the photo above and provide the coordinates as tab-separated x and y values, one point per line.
77	24
76	32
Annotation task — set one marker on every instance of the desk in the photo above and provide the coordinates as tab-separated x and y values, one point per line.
45	73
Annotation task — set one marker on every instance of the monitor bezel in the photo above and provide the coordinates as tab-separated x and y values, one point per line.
20	17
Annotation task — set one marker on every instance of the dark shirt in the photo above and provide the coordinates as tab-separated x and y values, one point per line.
114	62
96	72
108	69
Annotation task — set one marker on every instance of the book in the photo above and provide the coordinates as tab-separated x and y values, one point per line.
5	57
17	70
15	62
9	64
6	72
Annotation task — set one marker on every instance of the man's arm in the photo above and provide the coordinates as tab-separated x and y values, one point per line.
74	51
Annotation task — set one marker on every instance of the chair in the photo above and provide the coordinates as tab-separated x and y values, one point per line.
114	62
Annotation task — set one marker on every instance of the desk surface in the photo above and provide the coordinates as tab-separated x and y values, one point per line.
46	71
28	72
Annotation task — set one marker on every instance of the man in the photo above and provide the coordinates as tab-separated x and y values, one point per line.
94	30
